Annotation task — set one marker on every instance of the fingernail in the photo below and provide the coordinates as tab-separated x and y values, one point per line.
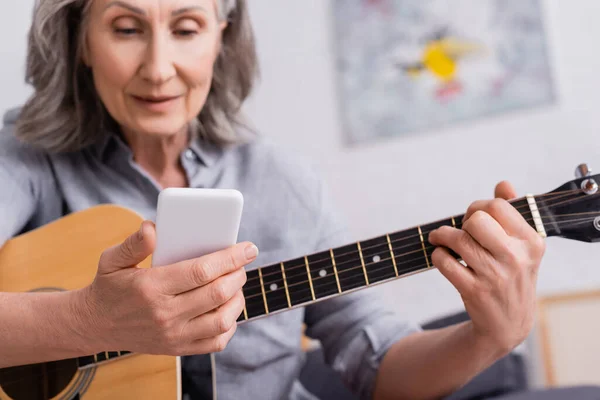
251	252
140	233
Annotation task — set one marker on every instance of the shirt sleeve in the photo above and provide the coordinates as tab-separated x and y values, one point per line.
24	174
357	329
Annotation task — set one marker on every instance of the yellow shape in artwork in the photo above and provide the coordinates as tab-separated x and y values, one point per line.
439	62
440	57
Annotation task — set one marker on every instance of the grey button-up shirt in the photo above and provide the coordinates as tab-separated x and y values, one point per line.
286	213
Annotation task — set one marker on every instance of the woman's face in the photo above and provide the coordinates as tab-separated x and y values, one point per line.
152	60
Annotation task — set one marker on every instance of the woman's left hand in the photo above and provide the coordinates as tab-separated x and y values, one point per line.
503	253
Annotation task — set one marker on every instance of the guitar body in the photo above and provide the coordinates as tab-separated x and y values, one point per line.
63	255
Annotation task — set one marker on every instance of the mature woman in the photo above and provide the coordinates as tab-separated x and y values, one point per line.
134	96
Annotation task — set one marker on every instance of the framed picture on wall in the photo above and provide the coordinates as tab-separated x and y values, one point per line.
407	66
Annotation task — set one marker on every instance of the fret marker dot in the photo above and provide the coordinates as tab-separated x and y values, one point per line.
273	287
322	273
376	259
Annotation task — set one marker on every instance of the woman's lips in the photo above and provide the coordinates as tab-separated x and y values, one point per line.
156	104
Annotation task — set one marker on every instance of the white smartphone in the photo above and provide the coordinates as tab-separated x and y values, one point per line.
193	222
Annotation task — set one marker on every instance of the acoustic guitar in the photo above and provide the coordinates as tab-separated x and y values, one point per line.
64	255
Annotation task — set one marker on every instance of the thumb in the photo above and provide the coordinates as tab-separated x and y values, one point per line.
135	249
505	190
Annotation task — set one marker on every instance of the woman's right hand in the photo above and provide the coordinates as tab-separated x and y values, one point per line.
190	307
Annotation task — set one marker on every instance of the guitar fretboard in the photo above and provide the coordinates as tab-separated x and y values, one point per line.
305	280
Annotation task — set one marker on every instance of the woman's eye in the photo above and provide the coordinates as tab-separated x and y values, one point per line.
187	27
185	32
126	31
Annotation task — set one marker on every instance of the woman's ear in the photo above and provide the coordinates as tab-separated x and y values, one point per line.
85	52
222	26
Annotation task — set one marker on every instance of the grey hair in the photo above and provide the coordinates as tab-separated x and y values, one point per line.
65	113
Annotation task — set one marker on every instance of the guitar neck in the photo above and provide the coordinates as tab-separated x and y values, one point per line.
312	278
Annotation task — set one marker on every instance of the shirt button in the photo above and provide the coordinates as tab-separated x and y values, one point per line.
189	154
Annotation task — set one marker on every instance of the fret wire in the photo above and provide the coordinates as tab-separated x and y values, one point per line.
274	290
312	290
374	258
262	288
416	251
454	222
287	293
323	285
407	273
337	279
423	245
245	312
392	254
453	219
309	295
345	279
297	279
318	283
255	299
301	268
362	261
323	271
383	245
356	276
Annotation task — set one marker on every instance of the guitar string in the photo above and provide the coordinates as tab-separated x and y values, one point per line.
345	279
302	265
373	270
359	276
384	247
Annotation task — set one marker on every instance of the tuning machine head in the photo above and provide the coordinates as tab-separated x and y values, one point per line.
589	186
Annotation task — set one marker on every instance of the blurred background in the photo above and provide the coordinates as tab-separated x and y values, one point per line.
384	181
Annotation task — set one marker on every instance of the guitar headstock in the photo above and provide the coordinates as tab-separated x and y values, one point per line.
572	210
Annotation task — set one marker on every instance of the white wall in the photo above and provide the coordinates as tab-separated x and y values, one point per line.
15	18
394	184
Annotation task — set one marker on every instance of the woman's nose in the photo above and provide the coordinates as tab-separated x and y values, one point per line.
158	64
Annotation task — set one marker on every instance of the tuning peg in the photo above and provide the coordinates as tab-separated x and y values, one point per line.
582	171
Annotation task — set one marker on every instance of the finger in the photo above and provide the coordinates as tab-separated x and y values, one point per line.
461	242
190	274
216	322
462	278
208	297
212	345
513	223
135	249
505	190
489	234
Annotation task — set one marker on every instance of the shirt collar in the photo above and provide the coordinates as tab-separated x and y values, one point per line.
205	152
208	153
